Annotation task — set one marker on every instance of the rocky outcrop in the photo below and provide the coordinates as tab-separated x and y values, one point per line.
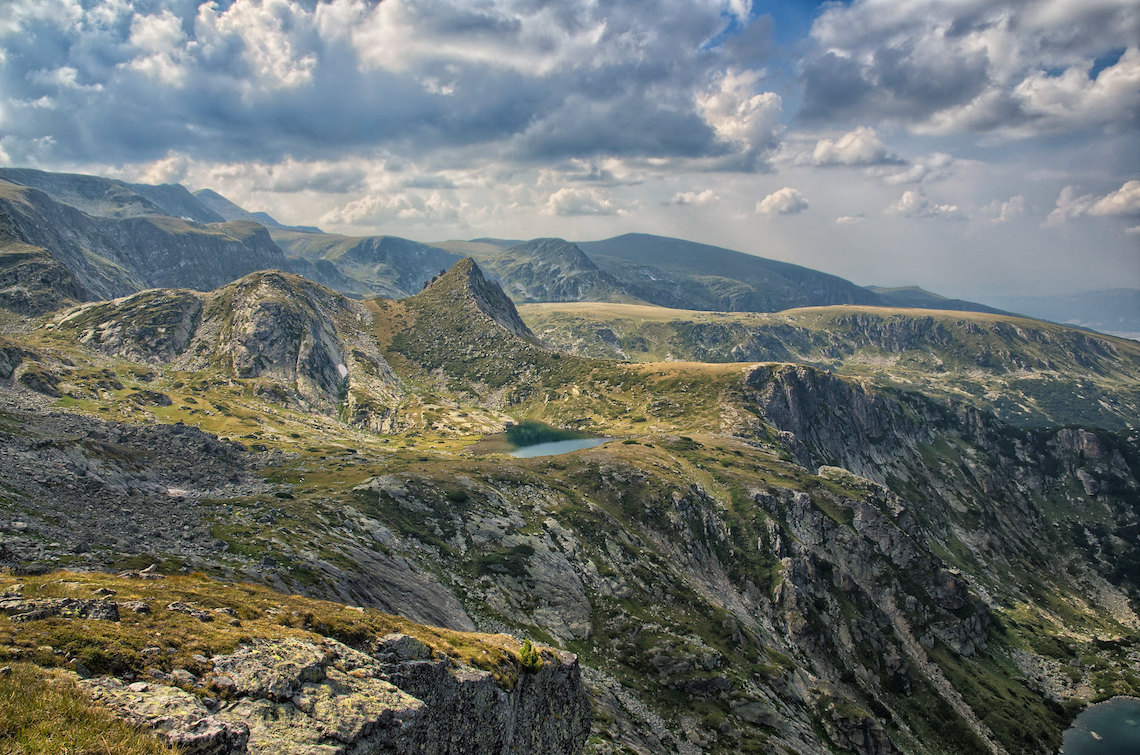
270	325
553	270
109	257
32	282
293	696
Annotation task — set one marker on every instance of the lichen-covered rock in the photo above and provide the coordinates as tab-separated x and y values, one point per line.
178	716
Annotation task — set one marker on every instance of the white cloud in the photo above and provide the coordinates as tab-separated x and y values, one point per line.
933	167
271	35
159	38
739	114
859	147
959	66
407	207
584	201
914	204
785	201
849	219
694	198
1125	201
1074	100
1001	212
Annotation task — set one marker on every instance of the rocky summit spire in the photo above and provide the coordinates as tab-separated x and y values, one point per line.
464	285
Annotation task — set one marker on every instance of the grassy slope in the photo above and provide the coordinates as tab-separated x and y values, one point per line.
1028	371
652	403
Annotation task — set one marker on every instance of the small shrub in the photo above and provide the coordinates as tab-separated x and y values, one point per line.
529	659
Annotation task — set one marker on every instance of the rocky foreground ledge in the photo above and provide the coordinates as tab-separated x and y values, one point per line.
217	669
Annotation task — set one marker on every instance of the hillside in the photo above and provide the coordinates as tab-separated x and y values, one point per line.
108	197
700	276
385	265
108	257
1027	371
552	270
918	298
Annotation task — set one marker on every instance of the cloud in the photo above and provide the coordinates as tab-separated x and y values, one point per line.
406	207
120	81
961	66
584	201
694	198
914	204
1125	201
933	167
739	114
849	219
1002	212
785	201
859	147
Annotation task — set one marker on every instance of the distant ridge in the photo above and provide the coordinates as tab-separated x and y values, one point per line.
685	274
112	198
232	211
917	298
551	269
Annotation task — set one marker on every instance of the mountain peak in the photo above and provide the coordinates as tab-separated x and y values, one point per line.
464	284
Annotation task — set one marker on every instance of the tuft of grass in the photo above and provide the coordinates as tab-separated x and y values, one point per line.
45	712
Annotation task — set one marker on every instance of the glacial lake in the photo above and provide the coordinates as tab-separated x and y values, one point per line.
1108	728
556	447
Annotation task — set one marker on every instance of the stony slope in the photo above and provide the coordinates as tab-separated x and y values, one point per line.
109	257
384	265
1028	371
246	669
108	197
552	270
294	340
767	558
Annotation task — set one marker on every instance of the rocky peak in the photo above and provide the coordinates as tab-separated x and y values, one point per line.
567	257
465	285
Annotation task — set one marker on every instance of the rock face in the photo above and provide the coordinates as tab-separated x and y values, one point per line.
270	325
295	697
32	282
553	270
116	256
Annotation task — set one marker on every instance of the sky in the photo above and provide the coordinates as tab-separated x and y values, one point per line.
977	148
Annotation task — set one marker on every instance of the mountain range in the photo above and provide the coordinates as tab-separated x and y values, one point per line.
248	511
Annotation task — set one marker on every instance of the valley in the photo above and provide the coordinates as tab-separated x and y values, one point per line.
836	527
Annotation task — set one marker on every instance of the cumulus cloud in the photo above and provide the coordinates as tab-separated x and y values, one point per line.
739	114
407	207
914	204
999	211
1125	201
933	167
947	66
694	198
584	201
859	147
123	80
785	201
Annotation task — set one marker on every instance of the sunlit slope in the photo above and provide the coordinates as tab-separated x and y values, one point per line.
1028	371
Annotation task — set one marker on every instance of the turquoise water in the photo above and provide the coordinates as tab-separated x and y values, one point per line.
556	447
1108	728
